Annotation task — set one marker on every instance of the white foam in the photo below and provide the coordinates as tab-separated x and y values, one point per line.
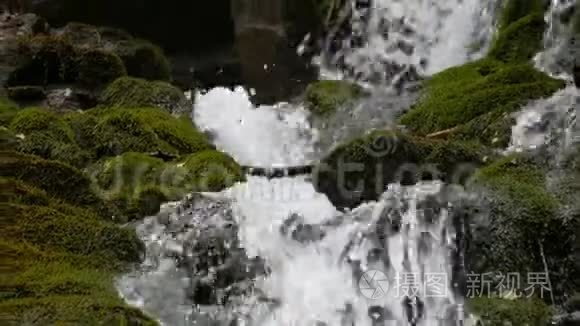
256	136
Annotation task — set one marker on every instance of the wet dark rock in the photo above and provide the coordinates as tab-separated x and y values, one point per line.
198	237
26	93
301	232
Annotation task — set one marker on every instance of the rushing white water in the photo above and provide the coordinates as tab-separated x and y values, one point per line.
389	262
260	136
560	50
391	39
550	121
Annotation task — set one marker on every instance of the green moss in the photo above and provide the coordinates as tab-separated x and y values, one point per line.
323	97
37	119
514	10
26	93
80	34
8	110
458	95
48	59
119	130
145	60
524	218
491	129
73	310
47	135
361	169
524	184
96	68
52	287
520	41
58	179
500	312
212	171
137	184
135	92
78	235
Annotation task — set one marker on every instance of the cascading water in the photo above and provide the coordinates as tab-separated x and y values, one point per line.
552	121
320	262
393	41
301	262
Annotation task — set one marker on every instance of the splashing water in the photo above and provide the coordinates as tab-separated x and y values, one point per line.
261	136
395	40
560	49
396	261
548	122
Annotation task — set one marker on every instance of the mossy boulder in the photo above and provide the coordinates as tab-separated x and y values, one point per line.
46	134
70	233
325	96
523	224
491	129
135	92
500	312
67	276
212	170
81	35
46	59
53	59
143	59
458	95
58	179
97	68
520	32
520	41
361	169
113	131
27	93
515	10
8	110
137	184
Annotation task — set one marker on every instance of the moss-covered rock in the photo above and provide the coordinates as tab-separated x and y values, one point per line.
119	130
58	179
323	97
47	59
44	283
26	93
8	110
135	92
524	223
97	68
38	119
514	10
212	171
70	233
144	59
50	59
491	129
137	184
458	95
500	312
46	134
520	32
81	35
520	41
361	169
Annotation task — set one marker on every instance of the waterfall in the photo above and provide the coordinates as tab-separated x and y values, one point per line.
396	261
393	41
